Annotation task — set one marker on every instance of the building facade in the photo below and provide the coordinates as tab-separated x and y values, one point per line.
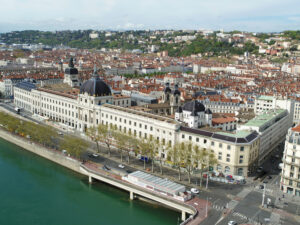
290	175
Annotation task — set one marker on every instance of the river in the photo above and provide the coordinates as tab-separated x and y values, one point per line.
35	191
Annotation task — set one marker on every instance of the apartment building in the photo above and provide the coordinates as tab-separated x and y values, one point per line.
272	127
290	175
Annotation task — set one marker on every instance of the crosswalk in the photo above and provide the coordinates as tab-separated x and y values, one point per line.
218	207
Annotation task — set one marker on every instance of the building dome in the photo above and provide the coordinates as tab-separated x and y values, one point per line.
208	111
176	91
71	69
95	86
167	88
194	107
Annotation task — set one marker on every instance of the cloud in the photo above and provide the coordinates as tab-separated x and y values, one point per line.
256	15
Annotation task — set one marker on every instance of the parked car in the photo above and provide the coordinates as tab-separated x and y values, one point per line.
269	177
95	155
106	168
261	186
121	166
194	190
232	222
260	169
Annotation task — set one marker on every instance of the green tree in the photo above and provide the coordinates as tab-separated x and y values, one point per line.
74	146
105	135
93	133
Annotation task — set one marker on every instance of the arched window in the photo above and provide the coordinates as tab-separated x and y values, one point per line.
227	169
240	171
219	167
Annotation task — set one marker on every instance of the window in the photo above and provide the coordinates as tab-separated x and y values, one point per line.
182	136
220	145
212	143
228	147
151	128
291	175
190	138
242	148
228	158
204	141
197	139
220	156
290	182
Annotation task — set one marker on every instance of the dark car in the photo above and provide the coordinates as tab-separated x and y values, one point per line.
269	177
261	186
106	168
265	181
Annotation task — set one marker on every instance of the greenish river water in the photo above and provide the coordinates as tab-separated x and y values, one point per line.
35	191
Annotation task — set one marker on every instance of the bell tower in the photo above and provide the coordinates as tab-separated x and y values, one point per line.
71	75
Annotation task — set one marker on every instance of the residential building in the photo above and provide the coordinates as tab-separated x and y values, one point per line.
290	175
272	127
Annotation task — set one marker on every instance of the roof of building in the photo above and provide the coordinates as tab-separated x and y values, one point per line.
239	138
265	97
263	118
296	128
157	182
95	86
71	69
194	107
26	85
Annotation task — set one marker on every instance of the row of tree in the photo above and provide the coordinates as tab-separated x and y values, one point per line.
42	134
184	156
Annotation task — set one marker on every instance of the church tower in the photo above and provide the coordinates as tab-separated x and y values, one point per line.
175	99
71	75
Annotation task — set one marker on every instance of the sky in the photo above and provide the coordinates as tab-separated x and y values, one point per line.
244	15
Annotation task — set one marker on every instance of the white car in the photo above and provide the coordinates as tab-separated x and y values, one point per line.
121	166
95	155
232	222
194	190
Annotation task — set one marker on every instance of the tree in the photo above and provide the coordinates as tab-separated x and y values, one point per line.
200	155
105	135
211	160
74	145
187	155
92	132
132	145
143	148
121	141
175	156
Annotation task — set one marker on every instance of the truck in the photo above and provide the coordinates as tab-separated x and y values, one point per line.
18	110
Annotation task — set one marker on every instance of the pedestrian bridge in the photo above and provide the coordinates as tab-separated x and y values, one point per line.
93	172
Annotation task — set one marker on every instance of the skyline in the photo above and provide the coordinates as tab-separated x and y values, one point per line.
253	16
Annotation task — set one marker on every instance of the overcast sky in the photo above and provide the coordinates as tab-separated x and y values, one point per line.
246	15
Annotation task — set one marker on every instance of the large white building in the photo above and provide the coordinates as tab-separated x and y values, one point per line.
94	104
290	176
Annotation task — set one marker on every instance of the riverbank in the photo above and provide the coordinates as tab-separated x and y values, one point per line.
52	155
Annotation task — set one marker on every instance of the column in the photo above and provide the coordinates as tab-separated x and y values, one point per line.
131	195
183	216
90	179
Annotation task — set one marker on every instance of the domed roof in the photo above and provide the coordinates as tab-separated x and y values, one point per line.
208	111
95	86
71	69
179	109
176	91
194	107
167	88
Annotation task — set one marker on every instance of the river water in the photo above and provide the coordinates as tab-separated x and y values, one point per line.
35	191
